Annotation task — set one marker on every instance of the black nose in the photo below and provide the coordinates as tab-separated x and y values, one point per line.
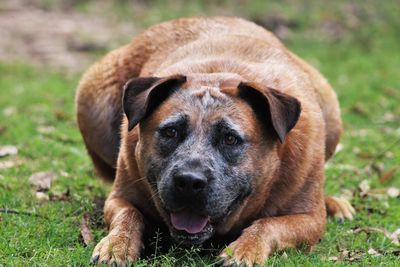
189	183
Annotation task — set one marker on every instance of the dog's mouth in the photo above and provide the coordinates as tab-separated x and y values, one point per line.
190	227
189	221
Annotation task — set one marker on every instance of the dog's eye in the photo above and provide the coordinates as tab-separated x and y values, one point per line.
230	140
170	132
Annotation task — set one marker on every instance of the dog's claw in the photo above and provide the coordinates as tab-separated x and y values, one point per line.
95	259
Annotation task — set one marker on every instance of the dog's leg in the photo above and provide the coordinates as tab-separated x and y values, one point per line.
124	240
339	208
267	235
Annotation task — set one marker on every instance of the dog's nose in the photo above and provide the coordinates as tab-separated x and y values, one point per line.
189	183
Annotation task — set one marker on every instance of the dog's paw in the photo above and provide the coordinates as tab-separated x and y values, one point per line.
116	250
246	252
339	208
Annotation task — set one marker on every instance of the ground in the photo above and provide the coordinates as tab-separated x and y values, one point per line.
54	219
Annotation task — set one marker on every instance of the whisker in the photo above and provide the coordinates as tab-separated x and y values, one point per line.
138	180
155	193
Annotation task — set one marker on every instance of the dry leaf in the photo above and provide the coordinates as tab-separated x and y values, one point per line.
347	255
10	163
364	188
46	129
8	111
85	230
395	237
64	174
388	117
42	196
350	256
380	193
42	180
387	175
8	150
370	230
333	258
385	205
373	252
393	192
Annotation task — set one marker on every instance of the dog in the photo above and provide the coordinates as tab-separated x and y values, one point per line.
210	127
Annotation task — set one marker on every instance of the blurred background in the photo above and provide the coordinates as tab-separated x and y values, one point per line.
67	33
50	199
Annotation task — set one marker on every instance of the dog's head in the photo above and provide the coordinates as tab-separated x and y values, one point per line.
205	146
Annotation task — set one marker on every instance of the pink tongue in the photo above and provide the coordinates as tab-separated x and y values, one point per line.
188	221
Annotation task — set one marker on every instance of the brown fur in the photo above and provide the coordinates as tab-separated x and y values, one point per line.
288	207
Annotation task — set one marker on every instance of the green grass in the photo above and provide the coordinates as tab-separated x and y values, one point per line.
363	65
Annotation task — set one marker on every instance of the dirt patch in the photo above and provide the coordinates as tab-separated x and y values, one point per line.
63	39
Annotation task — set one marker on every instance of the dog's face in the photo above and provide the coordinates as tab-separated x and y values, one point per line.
202	148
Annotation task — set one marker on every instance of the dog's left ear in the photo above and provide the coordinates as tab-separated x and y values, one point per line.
142	95
274	108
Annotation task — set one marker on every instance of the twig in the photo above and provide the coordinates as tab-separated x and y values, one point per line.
7	211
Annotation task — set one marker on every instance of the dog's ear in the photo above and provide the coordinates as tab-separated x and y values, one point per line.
272	107
142	95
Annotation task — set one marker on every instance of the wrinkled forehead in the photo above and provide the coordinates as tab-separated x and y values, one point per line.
204	98
203	91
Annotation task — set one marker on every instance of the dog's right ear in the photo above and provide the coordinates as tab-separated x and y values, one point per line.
142	95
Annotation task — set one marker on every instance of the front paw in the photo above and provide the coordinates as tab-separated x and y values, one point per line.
339	208
116	250
246	251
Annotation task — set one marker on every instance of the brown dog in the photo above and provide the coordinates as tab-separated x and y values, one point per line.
210	127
